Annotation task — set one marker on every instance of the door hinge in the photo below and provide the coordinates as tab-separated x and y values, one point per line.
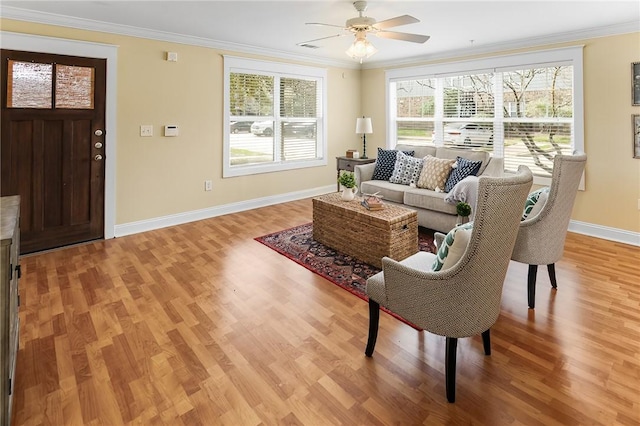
10	271
10	387
19	269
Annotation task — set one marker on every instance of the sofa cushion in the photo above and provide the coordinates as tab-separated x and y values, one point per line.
428	199
435	172
385	163
420	151
535	199
452	153
407	169
452	247
461	169
389	191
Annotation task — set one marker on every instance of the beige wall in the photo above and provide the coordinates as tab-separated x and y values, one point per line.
158	176
612	186
162	176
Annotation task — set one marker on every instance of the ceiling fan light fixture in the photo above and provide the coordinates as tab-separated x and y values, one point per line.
361	48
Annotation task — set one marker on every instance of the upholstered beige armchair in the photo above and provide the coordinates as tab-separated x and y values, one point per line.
464	299
541	236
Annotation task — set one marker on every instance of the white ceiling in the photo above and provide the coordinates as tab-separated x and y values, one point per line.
275	27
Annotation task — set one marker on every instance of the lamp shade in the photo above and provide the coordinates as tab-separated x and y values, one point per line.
363	125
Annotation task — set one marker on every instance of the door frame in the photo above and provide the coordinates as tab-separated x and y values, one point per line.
60	46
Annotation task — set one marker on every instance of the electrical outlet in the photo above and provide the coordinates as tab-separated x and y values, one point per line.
208	185
146	130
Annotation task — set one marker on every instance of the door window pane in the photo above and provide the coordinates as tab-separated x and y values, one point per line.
74	87
29	85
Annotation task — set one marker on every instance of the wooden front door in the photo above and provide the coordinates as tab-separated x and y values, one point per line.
52	151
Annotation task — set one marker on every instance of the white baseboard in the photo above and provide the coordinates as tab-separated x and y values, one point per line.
605	232
180	218
597	231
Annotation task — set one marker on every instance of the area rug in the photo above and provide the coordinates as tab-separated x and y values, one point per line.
351	274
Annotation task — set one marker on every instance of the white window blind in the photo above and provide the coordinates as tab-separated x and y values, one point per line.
415	107
275	117
468	110
526	108
538	117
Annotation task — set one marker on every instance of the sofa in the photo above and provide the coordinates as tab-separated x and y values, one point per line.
434	212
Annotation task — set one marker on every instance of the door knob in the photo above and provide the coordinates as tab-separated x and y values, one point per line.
98	157
98	132
98	145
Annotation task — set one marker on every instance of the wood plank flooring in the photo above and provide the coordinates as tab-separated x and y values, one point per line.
200	324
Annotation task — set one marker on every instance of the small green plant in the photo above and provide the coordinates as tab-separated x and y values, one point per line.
347	179
463	209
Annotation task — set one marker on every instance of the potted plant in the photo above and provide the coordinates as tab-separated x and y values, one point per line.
464	210
348	182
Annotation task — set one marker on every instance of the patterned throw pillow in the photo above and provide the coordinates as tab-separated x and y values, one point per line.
407	169
385	162
435	172
447	248
537	196
461	170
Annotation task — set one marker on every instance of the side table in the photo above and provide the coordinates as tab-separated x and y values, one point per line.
349	164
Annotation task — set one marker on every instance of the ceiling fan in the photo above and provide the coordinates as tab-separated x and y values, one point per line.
361	25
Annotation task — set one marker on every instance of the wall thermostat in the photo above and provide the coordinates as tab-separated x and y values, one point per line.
171	130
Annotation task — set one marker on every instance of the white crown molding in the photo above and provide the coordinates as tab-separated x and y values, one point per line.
19	14
564	37
192	216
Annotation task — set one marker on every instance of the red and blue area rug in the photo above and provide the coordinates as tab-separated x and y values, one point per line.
345	271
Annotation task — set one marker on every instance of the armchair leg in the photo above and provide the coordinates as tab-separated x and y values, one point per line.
531	286
450	367
552	275
486	342
374	320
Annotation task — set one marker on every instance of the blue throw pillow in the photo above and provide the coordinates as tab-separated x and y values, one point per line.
462	169
385	162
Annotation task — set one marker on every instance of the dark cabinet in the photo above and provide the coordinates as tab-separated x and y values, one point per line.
9	301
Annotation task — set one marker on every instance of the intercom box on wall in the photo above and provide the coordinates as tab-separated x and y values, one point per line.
171	130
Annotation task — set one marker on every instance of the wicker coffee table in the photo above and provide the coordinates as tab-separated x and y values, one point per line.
348	227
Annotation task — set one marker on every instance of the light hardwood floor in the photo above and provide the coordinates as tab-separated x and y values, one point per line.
200	324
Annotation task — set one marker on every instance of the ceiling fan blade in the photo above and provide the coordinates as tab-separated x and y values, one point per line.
414	38
396	22
321	38
324	25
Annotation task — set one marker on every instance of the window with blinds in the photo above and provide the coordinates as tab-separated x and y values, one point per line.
468	111
538	117
526	114
275	117
415	110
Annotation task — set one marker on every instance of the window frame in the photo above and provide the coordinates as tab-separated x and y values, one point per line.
497	64
233	64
